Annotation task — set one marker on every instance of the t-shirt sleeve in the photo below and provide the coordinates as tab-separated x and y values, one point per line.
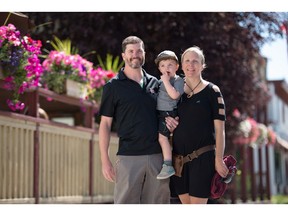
218	104
106	106
179	85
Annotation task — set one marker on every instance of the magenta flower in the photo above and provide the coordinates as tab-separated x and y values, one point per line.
20	64
59	66
97	79
14	106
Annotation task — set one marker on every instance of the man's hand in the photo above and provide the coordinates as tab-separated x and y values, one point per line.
108	171
172	123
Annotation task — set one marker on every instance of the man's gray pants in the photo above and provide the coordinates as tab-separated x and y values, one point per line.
136	181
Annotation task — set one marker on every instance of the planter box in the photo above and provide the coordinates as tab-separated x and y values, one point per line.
76	89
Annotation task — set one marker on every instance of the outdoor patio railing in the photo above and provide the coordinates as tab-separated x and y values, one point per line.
43	162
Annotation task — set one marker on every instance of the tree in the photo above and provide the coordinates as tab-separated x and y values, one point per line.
230	41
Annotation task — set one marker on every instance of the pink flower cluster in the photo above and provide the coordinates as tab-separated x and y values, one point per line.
73	66
249	132
10	34
98	77
254	132
20	63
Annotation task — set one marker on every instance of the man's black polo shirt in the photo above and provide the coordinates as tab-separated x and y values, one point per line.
133	109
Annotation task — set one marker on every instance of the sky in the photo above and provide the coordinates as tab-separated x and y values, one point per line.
277	59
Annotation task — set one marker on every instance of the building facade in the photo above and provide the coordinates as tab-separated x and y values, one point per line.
277	118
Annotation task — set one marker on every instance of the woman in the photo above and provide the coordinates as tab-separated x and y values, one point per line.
201	114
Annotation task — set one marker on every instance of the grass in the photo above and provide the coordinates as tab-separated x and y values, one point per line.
279	199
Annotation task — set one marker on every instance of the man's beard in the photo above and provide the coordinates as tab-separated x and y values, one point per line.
136	65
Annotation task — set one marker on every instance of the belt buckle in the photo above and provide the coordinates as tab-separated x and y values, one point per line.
192	156
195	153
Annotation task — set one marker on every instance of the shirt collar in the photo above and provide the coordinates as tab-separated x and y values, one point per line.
122	75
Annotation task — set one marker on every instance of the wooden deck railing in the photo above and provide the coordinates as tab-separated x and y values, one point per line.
16	159
44	162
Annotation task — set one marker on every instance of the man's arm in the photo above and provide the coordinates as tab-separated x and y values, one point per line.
104	140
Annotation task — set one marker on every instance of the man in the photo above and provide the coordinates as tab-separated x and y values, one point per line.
130	100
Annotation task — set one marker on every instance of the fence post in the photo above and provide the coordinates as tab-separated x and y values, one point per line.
243	173
252	174
260	174
91	167
36	165
268	189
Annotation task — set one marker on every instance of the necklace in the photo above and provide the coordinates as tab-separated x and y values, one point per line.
192	89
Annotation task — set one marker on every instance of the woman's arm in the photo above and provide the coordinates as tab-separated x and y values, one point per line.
220	166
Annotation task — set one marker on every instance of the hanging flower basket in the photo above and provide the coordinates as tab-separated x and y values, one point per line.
263	134
20	65
248	132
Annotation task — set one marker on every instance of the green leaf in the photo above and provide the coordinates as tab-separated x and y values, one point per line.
64	46
110	64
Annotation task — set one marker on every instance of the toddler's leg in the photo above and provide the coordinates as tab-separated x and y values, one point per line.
167	168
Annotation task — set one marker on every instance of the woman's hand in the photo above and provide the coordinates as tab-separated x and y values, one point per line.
221	167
